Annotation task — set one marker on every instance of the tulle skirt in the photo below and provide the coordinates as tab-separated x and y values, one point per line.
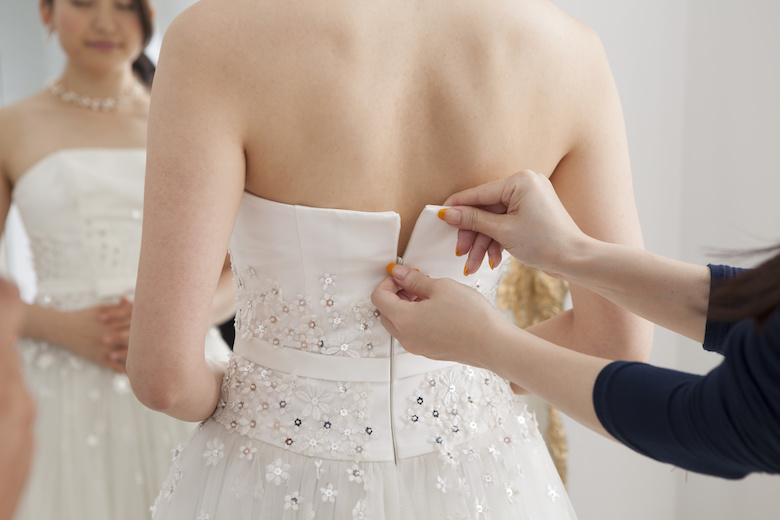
99	454
220	473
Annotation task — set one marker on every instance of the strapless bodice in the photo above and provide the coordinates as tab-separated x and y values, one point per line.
82	210
316	371
304	275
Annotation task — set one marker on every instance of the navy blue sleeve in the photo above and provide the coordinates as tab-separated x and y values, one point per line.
716	331
725	423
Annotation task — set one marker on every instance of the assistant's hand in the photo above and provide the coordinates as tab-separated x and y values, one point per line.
521	214
436	318
100	334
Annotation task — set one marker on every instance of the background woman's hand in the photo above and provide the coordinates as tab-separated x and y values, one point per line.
436	318
521	214
100	333
17	411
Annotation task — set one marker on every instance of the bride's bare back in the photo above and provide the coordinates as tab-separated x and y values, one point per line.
373	105
395	104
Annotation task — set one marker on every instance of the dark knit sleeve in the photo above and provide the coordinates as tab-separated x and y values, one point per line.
716	331
725	423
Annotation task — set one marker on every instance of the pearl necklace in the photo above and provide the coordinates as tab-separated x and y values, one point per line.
96	104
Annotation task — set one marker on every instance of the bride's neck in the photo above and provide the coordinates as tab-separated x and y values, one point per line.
97	84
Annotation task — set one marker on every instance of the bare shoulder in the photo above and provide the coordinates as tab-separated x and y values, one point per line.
15	121
549	30
206	30
11	115
571	54
204	55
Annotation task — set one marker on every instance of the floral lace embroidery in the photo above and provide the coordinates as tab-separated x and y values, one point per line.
325	419
313	323
311	417
329	327
460	403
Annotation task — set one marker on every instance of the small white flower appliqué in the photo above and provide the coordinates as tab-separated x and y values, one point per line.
355	475
247	452
214	452
277	472
328	493
292	501
360	511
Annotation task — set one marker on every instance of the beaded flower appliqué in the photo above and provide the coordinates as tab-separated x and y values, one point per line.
321	324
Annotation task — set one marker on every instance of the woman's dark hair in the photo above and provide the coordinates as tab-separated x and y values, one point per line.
142	66
753	294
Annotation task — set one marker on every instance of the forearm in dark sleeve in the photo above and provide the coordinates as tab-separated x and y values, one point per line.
708	424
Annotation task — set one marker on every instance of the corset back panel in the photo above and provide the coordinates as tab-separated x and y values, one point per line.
304	275
316	362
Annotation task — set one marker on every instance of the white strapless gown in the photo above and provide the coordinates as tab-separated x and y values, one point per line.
323	414
99	454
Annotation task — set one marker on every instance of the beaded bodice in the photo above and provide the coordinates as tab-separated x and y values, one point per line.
315	371
304	275
82	211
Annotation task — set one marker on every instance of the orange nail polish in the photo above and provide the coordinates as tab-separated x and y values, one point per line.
390	268
465	271
457	251
491	264
442	212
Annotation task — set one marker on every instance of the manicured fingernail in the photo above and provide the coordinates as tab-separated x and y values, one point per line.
466	271
491	264
450	215
398	271
457	251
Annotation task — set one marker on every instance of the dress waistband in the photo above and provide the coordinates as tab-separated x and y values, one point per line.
332	368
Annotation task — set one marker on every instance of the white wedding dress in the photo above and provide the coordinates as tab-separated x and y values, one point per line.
99	453
322	413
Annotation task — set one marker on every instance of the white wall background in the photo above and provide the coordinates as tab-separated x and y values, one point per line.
699	81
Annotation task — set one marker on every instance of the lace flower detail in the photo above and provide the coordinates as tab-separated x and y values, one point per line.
336	319
214	453
316	401
328	281
277	472
177	451
342	347
355	474
292	500
303	303
360	511
328	493
247	452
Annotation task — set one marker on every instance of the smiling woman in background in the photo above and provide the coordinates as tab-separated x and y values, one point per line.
72	158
